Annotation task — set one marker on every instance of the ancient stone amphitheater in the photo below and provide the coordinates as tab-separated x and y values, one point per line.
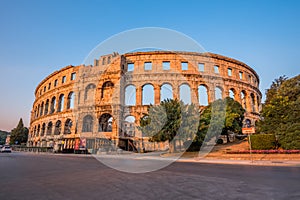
92	106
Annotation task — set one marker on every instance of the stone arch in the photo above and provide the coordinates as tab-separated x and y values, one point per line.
232	93
38	130
87	124
42	109
89	92
53	104
57	129
244	99
166	91
130	95
107	90
71	100
46	107
218	92
61	102
129	126
147	94
43	129
68	126
203	95
185	93
49	128
38	111
105	123
247	123
35	112
252	97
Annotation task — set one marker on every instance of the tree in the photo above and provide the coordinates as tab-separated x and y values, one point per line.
281	112
169	121
19	134
3	135
223	115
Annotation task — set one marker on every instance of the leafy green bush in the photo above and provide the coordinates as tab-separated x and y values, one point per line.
263	141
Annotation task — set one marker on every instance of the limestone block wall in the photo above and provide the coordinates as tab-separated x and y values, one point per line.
107	99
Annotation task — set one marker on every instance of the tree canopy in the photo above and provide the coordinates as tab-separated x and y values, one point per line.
3	135
170	120
19	134
220	116
281	112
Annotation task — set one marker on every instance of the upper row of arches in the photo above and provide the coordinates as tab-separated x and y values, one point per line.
53	105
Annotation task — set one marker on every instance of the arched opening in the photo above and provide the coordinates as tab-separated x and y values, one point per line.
148	94
46	107
257	103
71	100
185	93
43	129
53	104
87	125
38	111
130	95
68	126
166	92
42	109
34	132
61	103
253	102
49	128
203	95
89	93
57	129
105	123
38	130
218	93
247	123
35	112
232	93
129	126
107	90
243	99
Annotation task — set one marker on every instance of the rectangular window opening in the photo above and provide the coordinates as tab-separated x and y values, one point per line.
73	76
166	65
229	72
201	67
148	66
130	67
241	75
63	79
184	65
216	69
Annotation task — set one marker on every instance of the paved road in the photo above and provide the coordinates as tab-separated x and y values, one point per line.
40	176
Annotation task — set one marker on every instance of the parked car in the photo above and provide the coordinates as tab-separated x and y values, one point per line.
6	149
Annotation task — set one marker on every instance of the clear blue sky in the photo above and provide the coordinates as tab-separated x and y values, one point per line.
39	37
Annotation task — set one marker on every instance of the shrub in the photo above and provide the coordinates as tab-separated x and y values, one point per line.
263	142
191	146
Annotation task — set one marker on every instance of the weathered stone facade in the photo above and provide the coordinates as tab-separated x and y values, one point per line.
107	100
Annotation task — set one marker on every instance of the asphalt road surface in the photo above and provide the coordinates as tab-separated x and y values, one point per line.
42	176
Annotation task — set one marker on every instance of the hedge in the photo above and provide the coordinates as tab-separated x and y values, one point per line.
263	142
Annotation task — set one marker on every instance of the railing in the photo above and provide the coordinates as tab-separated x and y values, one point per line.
33	149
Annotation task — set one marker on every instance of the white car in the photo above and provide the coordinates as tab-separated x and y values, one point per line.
6	149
